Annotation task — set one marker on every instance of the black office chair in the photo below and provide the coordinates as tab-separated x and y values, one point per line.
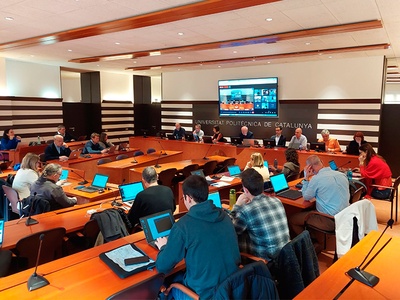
223	167
121	156
209	167
151	150
138	153
103	161
166	177
84	239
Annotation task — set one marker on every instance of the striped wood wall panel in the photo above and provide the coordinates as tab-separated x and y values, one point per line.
172	113
31	117
117	119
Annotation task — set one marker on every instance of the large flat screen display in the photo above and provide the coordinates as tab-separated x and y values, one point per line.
257	97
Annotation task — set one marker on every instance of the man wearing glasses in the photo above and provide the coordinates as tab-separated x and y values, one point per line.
280	140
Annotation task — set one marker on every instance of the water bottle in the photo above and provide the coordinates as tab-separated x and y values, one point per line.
232	198
275	163
38	140
349	174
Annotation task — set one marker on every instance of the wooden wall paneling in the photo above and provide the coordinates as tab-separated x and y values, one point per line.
117	119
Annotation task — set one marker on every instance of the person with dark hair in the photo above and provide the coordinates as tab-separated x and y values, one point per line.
47	188
93	146
217	137
375	171
291	167
205	238
260	220
9	140
153	199
57	150
358	140
280	140
66	136
103	141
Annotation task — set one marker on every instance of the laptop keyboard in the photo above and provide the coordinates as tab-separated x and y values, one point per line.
290	194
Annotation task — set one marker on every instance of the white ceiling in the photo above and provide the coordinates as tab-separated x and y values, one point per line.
42	17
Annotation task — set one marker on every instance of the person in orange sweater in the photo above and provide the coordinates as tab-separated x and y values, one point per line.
331	144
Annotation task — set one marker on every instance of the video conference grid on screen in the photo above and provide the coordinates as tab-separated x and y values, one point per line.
248	97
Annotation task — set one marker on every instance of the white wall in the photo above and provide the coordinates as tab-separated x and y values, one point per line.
71	86
156	89
3	83
355	78
116	86
392	93
27	79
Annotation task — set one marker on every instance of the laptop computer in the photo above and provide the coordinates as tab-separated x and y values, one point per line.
99	183
157	225
122	146
129	191
333	165
189	137
207	139
281	187
295	146
112	149
215	198
234	171
235	140
248	142
269	143
171	137
317	146
266	163
162	134
1	232
75	154
64	175
5	165
200	172
81	138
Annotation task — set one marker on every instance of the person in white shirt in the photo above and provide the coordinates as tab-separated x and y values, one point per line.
26	175
257	163
198	133
298	141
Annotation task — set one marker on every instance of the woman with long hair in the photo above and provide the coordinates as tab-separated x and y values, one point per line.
26	175
291	168
257	163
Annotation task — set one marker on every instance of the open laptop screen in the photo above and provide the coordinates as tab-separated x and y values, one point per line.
157	225
64	175
279	182
100	181
215	198
129	191
198	172
234	170
1	232
333	165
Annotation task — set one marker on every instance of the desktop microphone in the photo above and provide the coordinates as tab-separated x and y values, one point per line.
37	281
165	152
205	156
84	180
344	164
31	221
115	203
134	160
158	158
363	276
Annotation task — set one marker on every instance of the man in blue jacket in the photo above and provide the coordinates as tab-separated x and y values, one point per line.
205	238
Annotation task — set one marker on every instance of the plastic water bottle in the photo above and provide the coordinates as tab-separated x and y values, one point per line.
232	198
275	163
38	140
349	174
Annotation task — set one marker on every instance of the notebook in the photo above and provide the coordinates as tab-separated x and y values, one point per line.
157	225
215	198
281	187
75	154
295	146
333	165
248	142
129	191
1	232
234	171
99	183
64	175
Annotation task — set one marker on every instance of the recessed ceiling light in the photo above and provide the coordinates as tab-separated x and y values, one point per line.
219	66
32	55
9	18
97	65
268	62
69	50
268	19
308	43
234	51
134	62
254	59
117	43
330	57
179	57
180	33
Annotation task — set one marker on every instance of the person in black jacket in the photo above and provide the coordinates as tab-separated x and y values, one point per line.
57	150
280	140
358	140
245	133
67	137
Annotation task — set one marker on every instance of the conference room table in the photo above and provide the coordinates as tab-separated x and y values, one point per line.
118	171
193	150
135	174
332	283
16	155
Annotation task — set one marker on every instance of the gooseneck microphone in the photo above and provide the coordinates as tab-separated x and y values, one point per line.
158	158
363	276
344	164
205	156
84	180
30	221
37	281
165	152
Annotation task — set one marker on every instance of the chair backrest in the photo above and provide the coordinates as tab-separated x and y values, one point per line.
90	232
293	177
253	281
165	177
42	157
209	167
13	198
395	188
357	195
224	166
121	156
151	150
138	153
104	161
188	169
148	289
27	248
354	185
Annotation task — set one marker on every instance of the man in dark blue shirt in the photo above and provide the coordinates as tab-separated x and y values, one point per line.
245	133
179	132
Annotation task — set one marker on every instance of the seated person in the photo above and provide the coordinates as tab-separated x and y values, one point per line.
298	141
57	150
26	175
66	136
103	141
217	137
47	188
280	140
198	133
329	188
9	140
205	238
93	146
375	171
291	167
245	133
257	163
154	198
331	144
179	132
358	140
260	220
